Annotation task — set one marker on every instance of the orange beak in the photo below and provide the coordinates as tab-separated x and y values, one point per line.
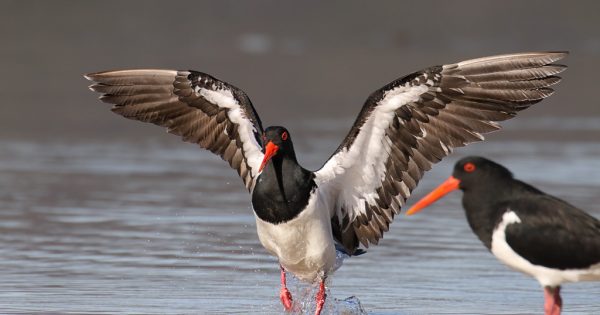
270	151
449	185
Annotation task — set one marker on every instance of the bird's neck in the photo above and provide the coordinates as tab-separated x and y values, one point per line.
483	208
282	190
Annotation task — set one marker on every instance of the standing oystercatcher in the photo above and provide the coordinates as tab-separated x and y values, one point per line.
402	129
528	230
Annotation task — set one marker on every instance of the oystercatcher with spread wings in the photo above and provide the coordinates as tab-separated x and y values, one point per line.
402	129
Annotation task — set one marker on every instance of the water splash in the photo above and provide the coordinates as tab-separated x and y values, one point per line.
305	302
348	306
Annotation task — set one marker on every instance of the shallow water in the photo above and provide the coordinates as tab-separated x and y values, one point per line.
163	228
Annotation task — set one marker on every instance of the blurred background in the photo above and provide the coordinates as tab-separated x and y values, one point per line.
99	214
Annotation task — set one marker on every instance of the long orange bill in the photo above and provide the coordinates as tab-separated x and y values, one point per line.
449	185
270	151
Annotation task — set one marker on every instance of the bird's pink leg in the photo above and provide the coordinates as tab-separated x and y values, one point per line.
321	297
284	294
552	301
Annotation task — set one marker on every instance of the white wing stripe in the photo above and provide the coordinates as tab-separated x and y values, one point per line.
251	147
363	164
224	98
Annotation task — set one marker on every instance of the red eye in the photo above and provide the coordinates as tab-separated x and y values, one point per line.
284	136
469	167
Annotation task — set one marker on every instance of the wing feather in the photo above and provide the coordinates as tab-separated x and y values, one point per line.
196	106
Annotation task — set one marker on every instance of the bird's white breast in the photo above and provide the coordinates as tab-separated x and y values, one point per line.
304	245
545	276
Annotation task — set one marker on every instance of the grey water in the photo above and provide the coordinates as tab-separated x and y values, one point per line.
162	227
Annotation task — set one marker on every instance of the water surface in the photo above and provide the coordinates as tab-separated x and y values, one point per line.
152	227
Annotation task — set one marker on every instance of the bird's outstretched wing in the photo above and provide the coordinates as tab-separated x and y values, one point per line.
194	105
413	122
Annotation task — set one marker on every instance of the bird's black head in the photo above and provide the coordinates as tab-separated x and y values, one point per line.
277	144
475	171
472	172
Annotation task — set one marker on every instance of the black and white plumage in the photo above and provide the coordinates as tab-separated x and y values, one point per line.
194	105
528	230
402	130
